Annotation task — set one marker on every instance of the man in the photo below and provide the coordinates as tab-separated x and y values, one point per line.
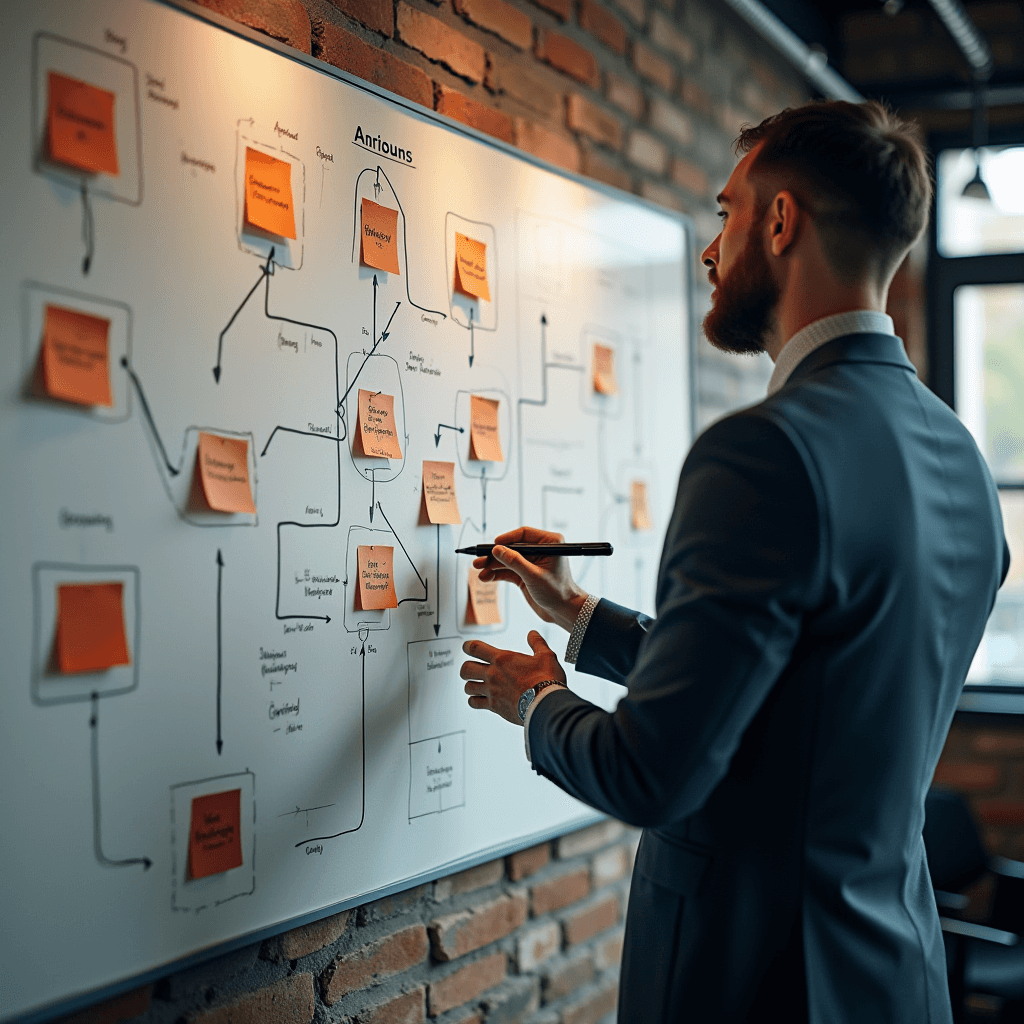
831	561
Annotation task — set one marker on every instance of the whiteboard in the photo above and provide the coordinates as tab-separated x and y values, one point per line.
359	767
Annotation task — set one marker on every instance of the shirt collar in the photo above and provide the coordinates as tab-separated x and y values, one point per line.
828	328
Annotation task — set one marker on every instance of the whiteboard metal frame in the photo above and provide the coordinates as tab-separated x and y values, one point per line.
81	1001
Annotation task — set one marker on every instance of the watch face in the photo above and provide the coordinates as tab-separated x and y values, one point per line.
524	702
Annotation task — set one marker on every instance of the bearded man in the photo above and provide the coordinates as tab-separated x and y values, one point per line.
831	561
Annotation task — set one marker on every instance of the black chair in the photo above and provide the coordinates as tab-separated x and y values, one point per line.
984	959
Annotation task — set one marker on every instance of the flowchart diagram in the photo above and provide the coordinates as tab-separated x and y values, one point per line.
279	352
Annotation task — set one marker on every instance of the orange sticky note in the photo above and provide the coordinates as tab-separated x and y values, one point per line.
471	268
215	834
376	431
380	237
484	439
268	193
80	125
439	503
482	608
90	627
224	473
639	512
604	370
376	581
75	357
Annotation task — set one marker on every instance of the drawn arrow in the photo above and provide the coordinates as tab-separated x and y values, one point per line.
173	470
437	436
377	186
373	491
437	595
426	588
220	573
471	336
374	335
383	337
483	488
87	230
97	837
265	271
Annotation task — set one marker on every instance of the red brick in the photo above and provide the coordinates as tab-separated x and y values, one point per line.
647	152
655	192
372	963
589	839
378	15
664	33
603	26
696	98
636	9
453	104
525	84
493	871
534	945
608	866
290	1001
528	862
547	145
560	891
113	1011
665	117
512	1001
561	9
997	811
653	66
592	1006
348	52
596	166
562	978
441	43
563	54
496	16
626	95
585	923
454	935
407	1008
468	1017
991	742
592	121
691	177
300	942
608	953
974	778
466	983
284	20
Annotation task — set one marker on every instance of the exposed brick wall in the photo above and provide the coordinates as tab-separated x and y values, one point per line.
534	937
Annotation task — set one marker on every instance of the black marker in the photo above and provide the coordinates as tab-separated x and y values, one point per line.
528	550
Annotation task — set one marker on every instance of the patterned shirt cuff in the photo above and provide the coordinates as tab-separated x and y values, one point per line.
572	652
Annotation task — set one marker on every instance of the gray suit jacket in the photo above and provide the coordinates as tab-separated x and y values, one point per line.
827	573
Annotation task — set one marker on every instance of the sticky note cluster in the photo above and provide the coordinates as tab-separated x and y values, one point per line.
376	589
379	248
90	635
222	481
376	430
215	834
268	194
484	437
80	125
75	357
482	608
471	268
439	503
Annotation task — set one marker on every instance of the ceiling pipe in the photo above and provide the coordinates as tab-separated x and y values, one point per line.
966	36
810	63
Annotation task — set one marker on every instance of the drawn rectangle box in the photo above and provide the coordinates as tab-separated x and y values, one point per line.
196	894
437	774
34	300
106	71
48	685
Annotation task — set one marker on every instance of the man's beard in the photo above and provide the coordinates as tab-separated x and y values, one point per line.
743	312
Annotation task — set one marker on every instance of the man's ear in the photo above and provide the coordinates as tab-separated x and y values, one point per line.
782	223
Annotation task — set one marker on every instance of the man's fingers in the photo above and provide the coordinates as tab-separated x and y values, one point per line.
478	649
499	576
528	535
480	703
537	643
523	567
474	688
473	670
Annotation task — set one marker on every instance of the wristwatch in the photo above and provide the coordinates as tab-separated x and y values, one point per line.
528	696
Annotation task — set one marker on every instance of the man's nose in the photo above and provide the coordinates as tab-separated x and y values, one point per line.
709	257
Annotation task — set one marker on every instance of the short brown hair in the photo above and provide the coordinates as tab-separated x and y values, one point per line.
861	173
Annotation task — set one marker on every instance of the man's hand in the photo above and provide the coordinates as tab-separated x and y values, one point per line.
546	583
498	679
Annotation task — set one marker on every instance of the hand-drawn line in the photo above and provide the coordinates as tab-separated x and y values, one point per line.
220	574
426	586
148	413
472	349
445	426
437	584
265	271
88	230
305	810
97	831
405	245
